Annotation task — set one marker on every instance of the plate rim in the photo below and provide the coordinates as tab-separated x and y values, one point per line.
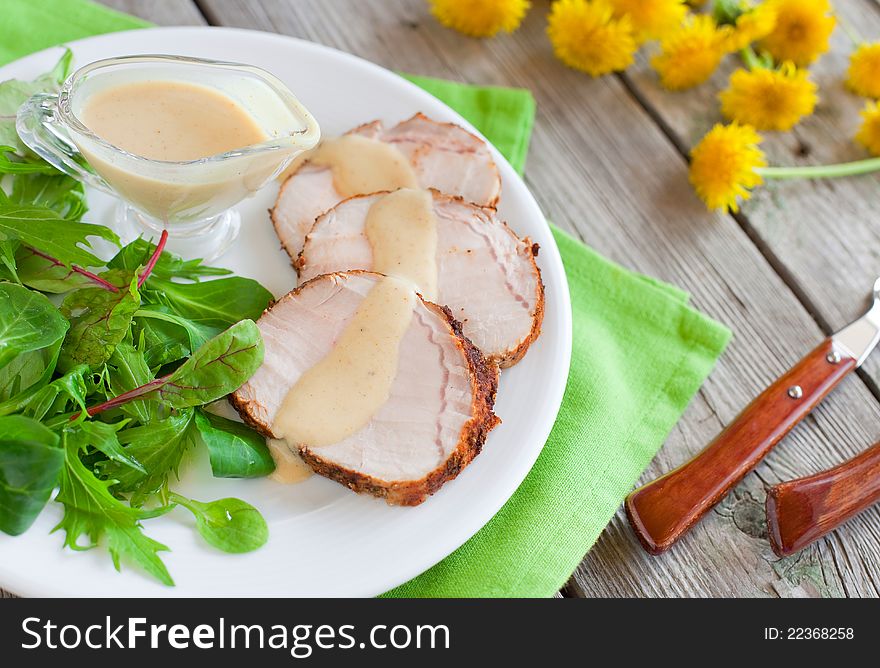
34	586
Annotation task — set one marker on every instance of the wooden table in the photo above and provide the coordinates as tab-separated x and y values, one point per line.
607	162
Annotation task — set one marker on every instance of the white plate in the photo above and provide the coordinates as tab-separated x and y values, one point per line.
325	540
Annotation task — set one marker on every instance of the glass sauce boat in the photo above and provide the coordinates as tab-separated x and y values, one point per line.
191	199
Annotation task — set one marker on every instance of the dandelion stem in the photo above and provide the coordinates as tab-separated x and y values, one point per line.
821	171
750	58
753	61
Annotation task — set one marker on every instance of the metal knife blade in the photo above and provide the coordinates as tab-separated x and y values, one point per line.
860	337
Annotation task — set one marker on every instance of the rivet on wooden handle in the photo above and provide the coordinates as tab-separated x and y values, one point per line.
801	511
665	509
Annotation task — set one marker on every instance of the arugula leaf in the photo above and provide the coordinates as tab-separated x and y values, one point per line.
228	524
131	371
44	274
30	461
45	230
159	448
99	320
236	450
168	266
103	437
28	321
91	510
219	367
217	303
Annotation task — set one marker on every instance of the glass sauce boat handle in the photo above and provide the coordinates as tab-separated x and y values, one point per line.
38	126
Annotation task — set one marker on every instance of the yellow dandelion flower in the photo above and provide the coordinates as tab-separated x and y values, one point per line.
869	133
691	54
651	19
752	25
769	99
586	36
480	19
863	75
724	163
802	30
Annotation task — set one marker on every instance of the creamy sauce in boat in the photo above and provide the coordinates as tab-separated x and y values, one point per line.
170	120
340	394
402	231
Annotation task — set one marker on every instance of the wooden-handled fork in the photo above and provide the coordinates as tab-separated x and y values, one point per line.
665	509
803	510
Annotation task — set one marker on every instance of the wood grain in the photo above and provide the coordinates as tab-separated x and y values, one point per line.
801	511
603	164
663	510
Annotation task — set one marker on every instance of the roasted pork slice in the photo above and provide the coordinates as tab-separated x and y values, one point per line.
438	409
486	275
440	155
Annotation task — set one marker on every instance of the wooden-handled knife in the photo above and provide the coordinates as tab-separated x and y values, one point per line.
664	510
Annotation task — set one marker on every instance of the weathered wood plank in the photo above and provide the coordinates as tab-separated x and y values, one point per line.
601	168
161	12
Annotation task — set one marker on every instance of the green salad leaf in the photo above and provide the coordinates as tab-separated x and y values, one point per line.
46	274
130	371
99	320
219	367
30	461
101	386
168	266
219	303
41	227
91	511
29	322
235	450
59	192
14	93
159	448
230	525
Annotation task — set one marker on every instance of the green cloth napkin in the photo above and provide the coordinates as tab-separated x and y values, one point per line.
640	353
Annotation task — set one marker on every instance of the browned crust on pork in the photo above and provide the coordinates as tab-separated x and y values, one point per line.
509	357
484	384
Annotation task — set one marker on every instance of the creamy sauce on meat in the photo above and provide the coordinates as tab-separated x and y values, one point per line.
340	394
289	466
170	120
402	231
361	165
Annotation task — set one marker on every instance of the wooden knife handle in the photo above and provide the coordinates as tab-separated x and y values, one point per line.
803	510
665	509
